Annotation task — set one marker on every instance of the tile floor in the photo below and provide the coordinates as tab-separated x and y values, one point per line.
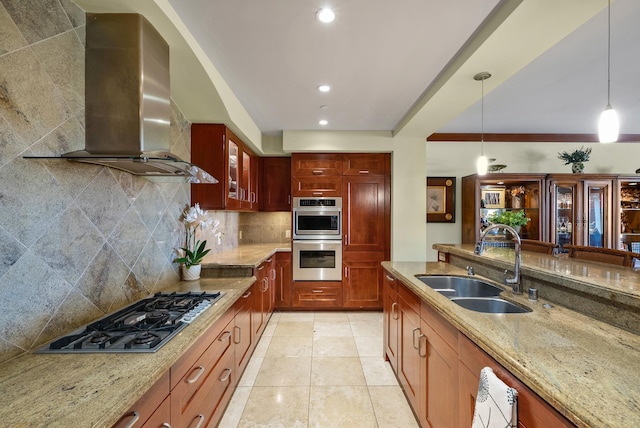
319	369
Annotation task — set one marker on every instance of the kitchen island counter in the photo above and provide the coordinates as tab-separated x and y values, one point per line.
587	369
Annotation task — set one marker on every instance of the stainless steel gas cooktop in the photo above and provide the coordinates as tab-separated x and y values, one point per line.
144	326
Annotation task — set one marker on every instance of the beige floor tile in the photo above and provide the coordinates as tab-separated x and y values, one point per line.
341	406
332	328
391	407
251	372
284	371
235	408
369	346
369	316
296	316
378	372
330	346
370	328
277	407
261	348
270	328
337	371
290	346
294	328
331	316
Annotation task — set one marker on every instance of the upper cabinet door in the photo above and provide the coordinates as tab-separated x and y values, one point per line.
316	165
364	213
366	164
234	165
275	184
597	213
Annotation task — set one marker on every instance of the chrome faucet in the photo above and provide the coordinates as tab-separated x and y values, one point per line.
515	282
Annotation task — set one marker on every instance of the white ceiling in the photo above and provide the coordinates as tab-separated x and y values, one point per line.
381	56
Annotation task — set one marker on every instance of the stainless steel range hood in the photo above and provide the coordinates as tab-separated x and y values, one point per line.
127	100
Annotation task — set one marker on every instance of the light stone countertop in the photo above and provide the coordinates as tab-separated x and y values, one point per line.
244	256
587	369
95	390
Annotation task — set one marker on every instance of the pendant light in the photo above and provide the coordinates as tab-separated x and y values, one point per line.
608	125
482	164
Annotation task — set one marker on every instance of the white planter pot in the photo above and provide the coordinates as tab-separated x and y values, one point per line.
192	273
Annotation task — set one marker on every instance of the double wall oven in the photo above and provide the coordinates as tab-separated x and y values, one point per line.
317	239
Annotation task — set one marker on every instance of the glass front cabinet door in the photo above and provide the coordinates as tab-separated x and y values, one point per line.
581	212
629	214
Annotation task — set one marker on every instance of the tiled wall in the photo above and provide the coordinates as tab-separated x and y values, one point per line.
258	228
76	241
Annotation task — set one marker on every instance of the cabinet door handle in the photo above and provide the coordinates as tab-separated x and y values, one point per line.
224	336
346	272
165	425
200	419
197	376
246	295
225	375
364	171
422	336
273	274
238	336
415	340
317	193
317	172
289	199
317	291
390	278
394	314
260	267
135	416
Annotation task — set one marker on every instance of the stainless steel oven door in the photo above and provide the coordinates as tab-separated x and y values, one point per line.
316	225
317	260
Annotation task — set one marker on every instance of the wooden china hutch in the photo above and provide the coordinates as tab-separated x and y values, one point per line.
597	210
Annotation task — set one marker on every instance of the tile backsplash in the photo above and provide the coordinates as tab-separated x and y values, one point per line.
76	241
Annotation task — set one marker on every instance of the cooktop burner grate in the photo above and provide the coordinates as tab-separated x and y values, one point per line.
144	326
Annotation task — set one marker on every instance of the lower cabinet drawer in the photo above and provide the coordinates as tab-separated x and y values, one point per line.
150	410
317	294
193	396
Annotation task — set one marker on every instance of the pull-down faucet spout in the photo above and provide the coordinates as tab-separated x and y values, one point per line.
515	281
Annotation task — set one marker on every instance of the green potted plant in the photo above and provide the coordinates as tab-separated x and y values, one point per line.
515	219
576	159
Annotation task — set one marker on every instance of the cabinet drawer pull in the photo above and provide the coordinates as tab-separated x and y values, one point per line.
238	336
317	193
363	171
246	295
135	416
394	314
165	425
422	336
200	418
317	291
225	375
390	278
317	172
346	272
197	376
224	336
415	340
260	267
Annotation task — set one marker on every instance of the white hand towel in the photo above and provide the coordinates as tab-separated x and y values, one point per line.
496	403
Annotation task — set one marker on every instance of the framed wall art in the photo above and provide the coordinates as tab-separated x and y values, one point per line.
441	199
492	197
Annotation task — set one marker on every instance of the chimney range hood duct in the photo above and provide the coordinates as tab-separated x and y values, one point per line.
127	100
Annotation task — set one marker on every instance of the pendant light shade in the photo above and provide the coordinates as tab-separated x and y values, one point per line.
482	164
608	125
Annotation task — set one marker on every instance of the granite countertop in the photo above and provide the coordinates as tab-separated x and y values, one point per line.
246	256
95	390
587	369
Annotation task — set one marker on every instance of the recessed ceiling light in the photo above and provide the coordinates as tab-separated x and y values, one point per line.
323	122
325	15
324	88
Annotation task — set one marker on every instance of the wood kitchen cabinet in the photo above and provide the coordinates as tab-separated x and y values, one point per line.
264	299
492	193
627	235
243	336
439	368
216	149
390	321
275	184
581	210
283	275
317	294
152	410
316	174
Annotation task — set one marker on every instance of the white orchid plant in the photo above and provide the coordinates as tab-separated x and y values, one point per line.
194	250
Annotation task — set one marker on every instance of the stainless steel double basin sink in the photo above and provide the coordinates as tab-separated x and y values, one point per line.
472	293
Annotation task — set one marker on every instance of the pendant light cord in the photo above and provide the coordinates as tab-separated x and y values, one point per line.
482	120
609	56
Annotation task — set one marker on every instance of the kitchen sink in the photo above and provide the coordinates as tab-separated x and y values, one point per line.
459	286
489	305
